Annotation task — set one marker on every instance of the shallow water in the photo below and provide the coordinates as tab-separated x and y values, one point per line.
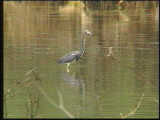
116	77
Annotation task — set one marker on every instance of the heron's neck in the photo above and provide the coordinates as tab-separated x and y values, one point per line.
82	47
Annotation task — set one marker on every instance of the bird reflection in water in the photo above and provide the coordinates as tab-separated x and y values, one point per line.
75	82
71	79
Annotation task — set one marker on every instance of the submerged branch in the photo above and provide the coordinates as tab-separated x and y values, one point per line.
53	102
155	100
134	110
61	106
30	71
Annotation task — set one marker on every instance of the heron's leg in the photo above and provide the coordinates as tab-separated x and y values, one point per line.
68	67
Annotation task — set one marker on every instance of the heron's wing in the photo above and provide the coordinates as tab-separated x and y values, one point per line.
69	57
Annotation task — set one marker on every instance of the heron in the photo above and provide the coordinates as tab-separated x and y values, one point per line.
75	55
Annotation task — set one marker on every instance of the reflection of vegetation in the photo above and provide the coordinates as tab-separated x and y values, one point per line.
156	100
5	106
101	5
9	93
121	4
33	105
132	112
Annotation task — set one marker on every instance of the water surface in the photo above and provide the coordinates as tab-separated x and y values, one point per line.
116	77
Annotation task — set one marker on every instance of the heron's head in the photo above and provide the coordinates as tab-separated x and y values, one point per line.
87	32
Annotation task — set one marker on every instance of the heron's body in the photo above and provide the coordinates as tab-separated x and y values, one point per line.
74	55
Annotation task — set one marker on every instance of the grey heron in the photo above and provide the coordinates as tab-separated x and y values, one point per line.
75	55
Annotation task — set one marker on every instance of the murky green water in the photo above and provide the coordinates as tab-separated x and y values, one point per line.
116	77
